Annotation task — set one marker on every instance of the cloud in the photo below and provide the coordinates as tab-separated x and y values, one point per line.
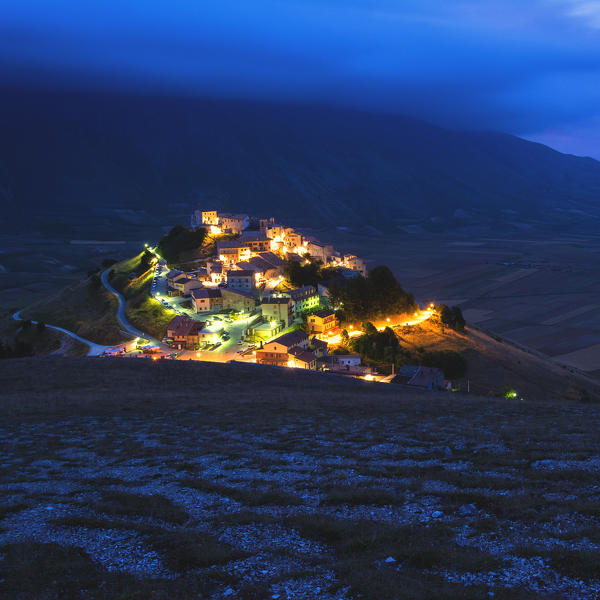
587	10
513	65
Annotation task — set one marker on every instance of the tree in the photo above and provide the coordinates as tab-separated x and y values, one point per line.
374	296
368	328
451	317
447	316
179	240
146	261
377	345
345	338
459	320
299	275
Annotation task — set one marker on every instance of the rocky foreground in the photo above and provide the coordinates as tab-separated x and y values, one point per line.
140	480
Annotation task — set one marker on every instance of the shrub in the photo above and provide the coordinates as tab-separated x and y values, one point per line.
452	363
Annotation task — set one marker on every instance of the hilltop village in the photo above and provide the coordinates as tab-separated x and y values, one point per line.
244	281
254	290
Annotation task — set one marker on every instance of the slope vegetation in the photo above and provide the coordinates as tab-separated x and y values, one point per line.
233	481
85	308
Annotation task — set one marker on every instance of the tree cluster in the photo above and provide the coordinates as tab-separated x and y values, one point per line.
374	296
311	273
179	240
451	317
384	347
381	346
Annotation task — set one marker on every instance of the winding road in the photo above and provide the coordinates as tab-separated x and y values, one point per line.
121	316
94	349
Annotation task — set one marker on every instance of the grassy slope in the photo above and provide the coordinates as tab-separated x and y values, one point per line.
142	310
266	479
493	363
85	309
43	342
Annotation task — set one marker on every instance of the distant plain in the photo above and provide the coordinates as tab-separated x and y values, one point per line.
540	291
537	288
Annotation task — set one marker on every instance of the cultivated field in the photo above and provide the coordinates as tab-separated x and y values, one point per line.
545	296
186	480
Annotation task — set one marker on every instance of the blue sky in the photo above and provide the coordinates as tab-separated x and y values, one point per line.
528	67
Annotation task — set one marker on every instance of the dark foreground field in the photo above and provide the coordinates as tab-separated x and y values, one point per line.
127	479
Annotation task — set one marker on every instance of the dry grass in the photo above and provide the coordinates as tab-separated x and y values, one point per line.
238	481
84	308
143	311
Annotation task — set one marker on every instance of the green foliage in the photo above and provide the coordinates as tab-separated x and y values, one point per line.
299	275
180	239
376	295
451	317
368	328
145	262
345	338
453	364
341	351
377	345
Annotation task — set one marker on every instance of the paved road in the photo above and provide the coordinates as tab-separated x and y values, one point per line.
122	318
94	349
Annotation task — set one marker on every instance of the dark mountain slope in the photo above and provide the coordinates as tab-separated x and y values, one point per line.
86	155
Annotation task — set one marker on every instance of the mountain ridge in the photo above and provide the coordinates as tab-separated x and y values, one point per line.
91	153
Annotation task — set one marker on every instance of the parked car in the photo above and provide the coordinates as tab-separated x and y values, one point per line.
240	342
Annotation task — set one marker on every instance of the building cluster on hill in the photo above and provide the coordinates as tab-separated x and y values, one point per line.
257	236
248	266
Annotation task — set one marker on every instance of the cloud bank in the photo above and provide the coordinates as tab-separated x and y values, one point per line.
529	68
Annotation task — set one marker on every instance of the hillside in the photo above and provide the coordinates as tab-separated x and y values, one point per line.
85	308
113	165
127	478
494	362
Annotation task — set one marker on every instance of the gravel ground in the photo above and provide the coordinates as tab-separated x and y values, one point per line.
363	496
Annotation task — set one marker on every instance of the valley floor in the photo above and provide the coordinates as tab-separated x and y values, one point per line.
171	480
